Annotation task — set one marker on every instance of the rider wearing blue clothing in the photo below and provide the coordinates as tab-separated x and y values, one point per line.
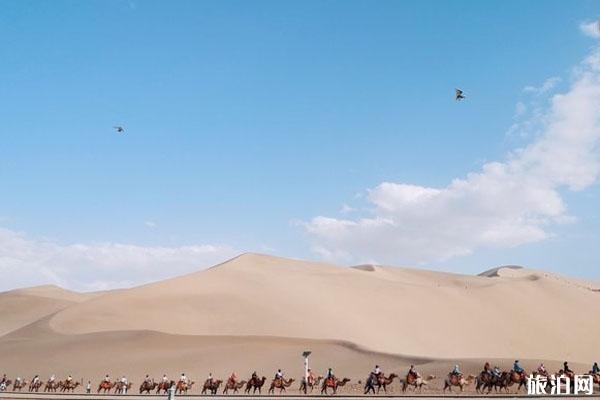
517	368
595	369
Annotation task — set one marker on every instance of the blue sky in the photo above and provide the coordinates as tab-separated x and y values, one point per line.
245	121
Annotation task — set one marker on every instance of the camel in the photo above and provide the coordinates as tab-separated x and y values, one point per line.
106	386
304	386
212	386
235	386
416	381
183	387
334	384
35	386
5	385
69	386
164	386
517	378
51	386
457	380
596	379
281	384
122	388
255	383
19	385
380	381
147	386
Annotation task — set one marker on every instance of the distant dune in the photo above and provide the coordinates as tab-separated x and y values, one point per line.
21	307
261	312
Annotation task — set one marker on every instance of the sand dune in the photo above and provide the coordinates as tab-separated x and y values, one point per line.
392	310
23	306
258	312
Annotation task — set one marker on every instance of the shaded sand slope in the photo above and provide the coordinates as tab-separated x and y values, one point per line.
37	349
23	306
511	313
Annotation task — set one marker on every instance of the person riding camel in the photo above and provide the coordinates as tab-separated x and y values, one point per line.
329	376
4	378
18	380
518	369
487	367
106	379
595	369
377	371
456	371
279	375
413	371
496	372
36	379
233	378
165	379
182	378
542	370
124	380
566	368
254	376
52	379
147	379
210	378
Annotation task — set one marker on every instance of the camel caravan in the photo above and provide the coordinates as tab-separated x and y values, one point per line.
487	381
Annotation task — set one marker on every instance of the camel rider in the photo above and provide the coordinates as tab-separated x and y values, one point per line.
595	369
279	374
255	376
106	379
456	371
377	371
566	368
52	379
3	379
517	368
496	371
542	370
69	379
165	379
148	379
233	378
182	378
36	379
329	374
413	371
210	378
18	380
487	367
124	380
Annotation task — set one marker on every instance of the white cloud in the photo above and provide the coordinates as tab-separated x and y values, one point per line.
520	109
508	203
547	86
25	261
591	29
150	224
346	209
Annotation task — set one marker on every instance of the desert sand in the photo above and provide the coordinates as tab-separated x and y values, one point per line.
257	312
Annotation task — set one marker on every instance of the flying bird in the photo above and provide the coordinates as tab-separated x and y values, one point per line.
119	129
459	95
